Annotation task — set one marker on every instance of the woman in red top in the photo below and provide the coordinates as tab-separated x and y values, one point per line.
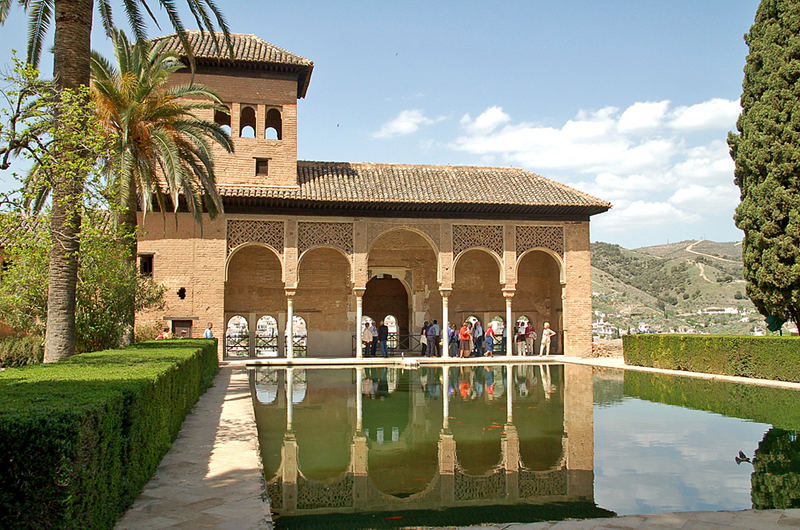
463	340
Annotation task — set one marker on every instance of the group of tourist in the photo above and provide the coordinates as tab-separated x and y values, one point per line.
374	336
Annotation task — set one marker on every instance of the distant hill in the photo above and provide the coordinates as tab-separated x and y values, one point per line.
669	284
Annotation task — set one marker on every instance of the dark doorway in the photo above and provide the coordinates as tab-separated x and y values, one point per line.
387	296
182	328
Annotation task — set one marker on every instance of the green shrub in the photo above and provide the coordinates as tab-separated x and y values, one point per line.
80	438
775	358
20	351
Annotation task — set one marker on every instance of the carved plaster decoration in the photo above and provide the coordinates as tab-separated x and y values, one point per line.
549	237
466	237
375	230
268	233
313	234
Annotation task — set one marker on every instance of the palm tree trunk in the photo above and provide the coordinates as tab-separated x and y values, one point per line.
71	50
127	222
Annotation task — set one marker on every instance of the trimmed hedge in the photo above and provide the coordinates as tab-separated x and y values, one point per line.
80	438
775	358
20	351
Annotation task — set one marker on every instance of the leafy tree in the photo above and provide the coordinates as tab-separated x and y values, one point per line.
766	151
71	64
158	139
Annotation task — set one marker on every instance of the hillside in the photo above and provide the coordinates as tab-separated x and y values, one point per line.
671	285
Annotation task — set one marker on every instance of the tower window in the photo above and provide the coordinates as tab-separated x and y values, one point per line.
262	167
223	119
274	125
146	264
247	123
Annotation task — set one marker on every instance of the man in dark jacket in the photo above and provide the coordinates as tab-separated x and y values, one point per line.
383	337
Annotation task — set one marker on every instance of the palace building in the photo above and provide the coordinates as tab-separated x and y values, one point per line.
327	245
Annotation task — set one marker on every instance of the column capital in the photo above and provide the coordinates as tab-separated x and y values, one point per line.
290	292
359	291
445	291
508	292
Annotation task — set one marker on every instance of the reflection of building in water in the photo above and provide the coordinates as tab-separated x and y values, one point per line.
384	439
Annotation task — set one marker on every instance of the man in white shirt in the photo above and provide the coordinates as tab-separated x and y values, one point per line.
207	334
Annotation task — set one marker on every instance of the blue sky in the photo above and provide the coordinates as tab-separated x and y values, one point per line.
630	101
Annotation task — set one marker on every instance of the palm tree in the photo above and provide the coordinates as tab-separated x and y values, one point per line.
160	145
71	68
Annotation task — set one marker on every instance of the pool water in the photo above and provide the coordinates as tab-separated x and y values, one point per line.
472	444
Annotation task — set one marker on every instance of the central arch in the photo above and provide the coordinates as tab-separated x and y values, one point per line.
386	296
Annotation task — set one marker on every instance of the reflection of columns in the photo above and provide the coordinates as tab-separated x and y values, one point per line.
447	466
445	397
509	393
359	399
358	467
445	320
289	472
290	324
579	428
359	327
509	294
289	395
509	444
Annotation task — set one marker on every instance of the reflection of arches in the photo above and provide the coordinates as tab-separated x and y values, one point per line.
540	426
267	337
274	125
237	337
266	384
247	123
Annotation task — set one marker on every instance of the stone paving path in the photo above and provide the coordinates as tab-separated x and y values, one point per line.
211	477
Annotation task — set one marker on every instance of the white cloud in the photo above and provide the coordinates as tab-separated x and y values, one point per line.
702	198
715	113
641	214
487	121
710	163
643	116
407	122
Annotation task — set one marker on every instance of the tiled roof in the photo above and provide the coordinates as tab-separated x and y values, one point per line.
247	50
429	188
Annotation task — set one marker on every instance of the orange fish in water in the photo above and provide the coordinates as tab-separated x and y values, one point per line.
393	517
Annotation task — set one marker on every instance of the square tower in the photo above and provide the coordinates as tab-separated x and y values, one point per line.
260	84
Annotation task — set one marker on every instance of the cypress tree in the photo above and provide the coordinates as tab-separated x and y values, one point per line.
766	152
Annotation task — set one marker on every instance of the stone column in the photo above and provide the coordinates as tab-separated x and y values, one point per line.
359	293
508	294
445	397
510	393
290	324
445	319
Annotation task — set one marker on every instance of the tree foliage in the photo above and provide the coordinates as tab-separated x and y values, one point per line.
766	151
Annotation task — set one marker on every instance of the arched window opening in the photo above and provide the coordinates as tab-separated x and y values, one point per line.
366	319
247	123
274	125
267	337
299	336
498	324
472	319
237	337
223	119
394	330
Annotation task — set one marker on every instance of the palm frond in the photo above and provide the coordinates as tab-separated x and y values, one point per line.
41	13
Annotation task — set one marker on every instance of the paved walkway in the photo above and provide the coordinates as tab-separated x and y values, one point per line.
211	477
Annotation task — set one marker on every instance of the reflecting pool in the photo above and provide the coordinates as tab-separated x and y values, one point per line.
470	444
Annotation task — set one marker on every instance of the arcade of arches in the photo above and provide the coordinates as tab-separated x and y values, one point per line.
325	275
